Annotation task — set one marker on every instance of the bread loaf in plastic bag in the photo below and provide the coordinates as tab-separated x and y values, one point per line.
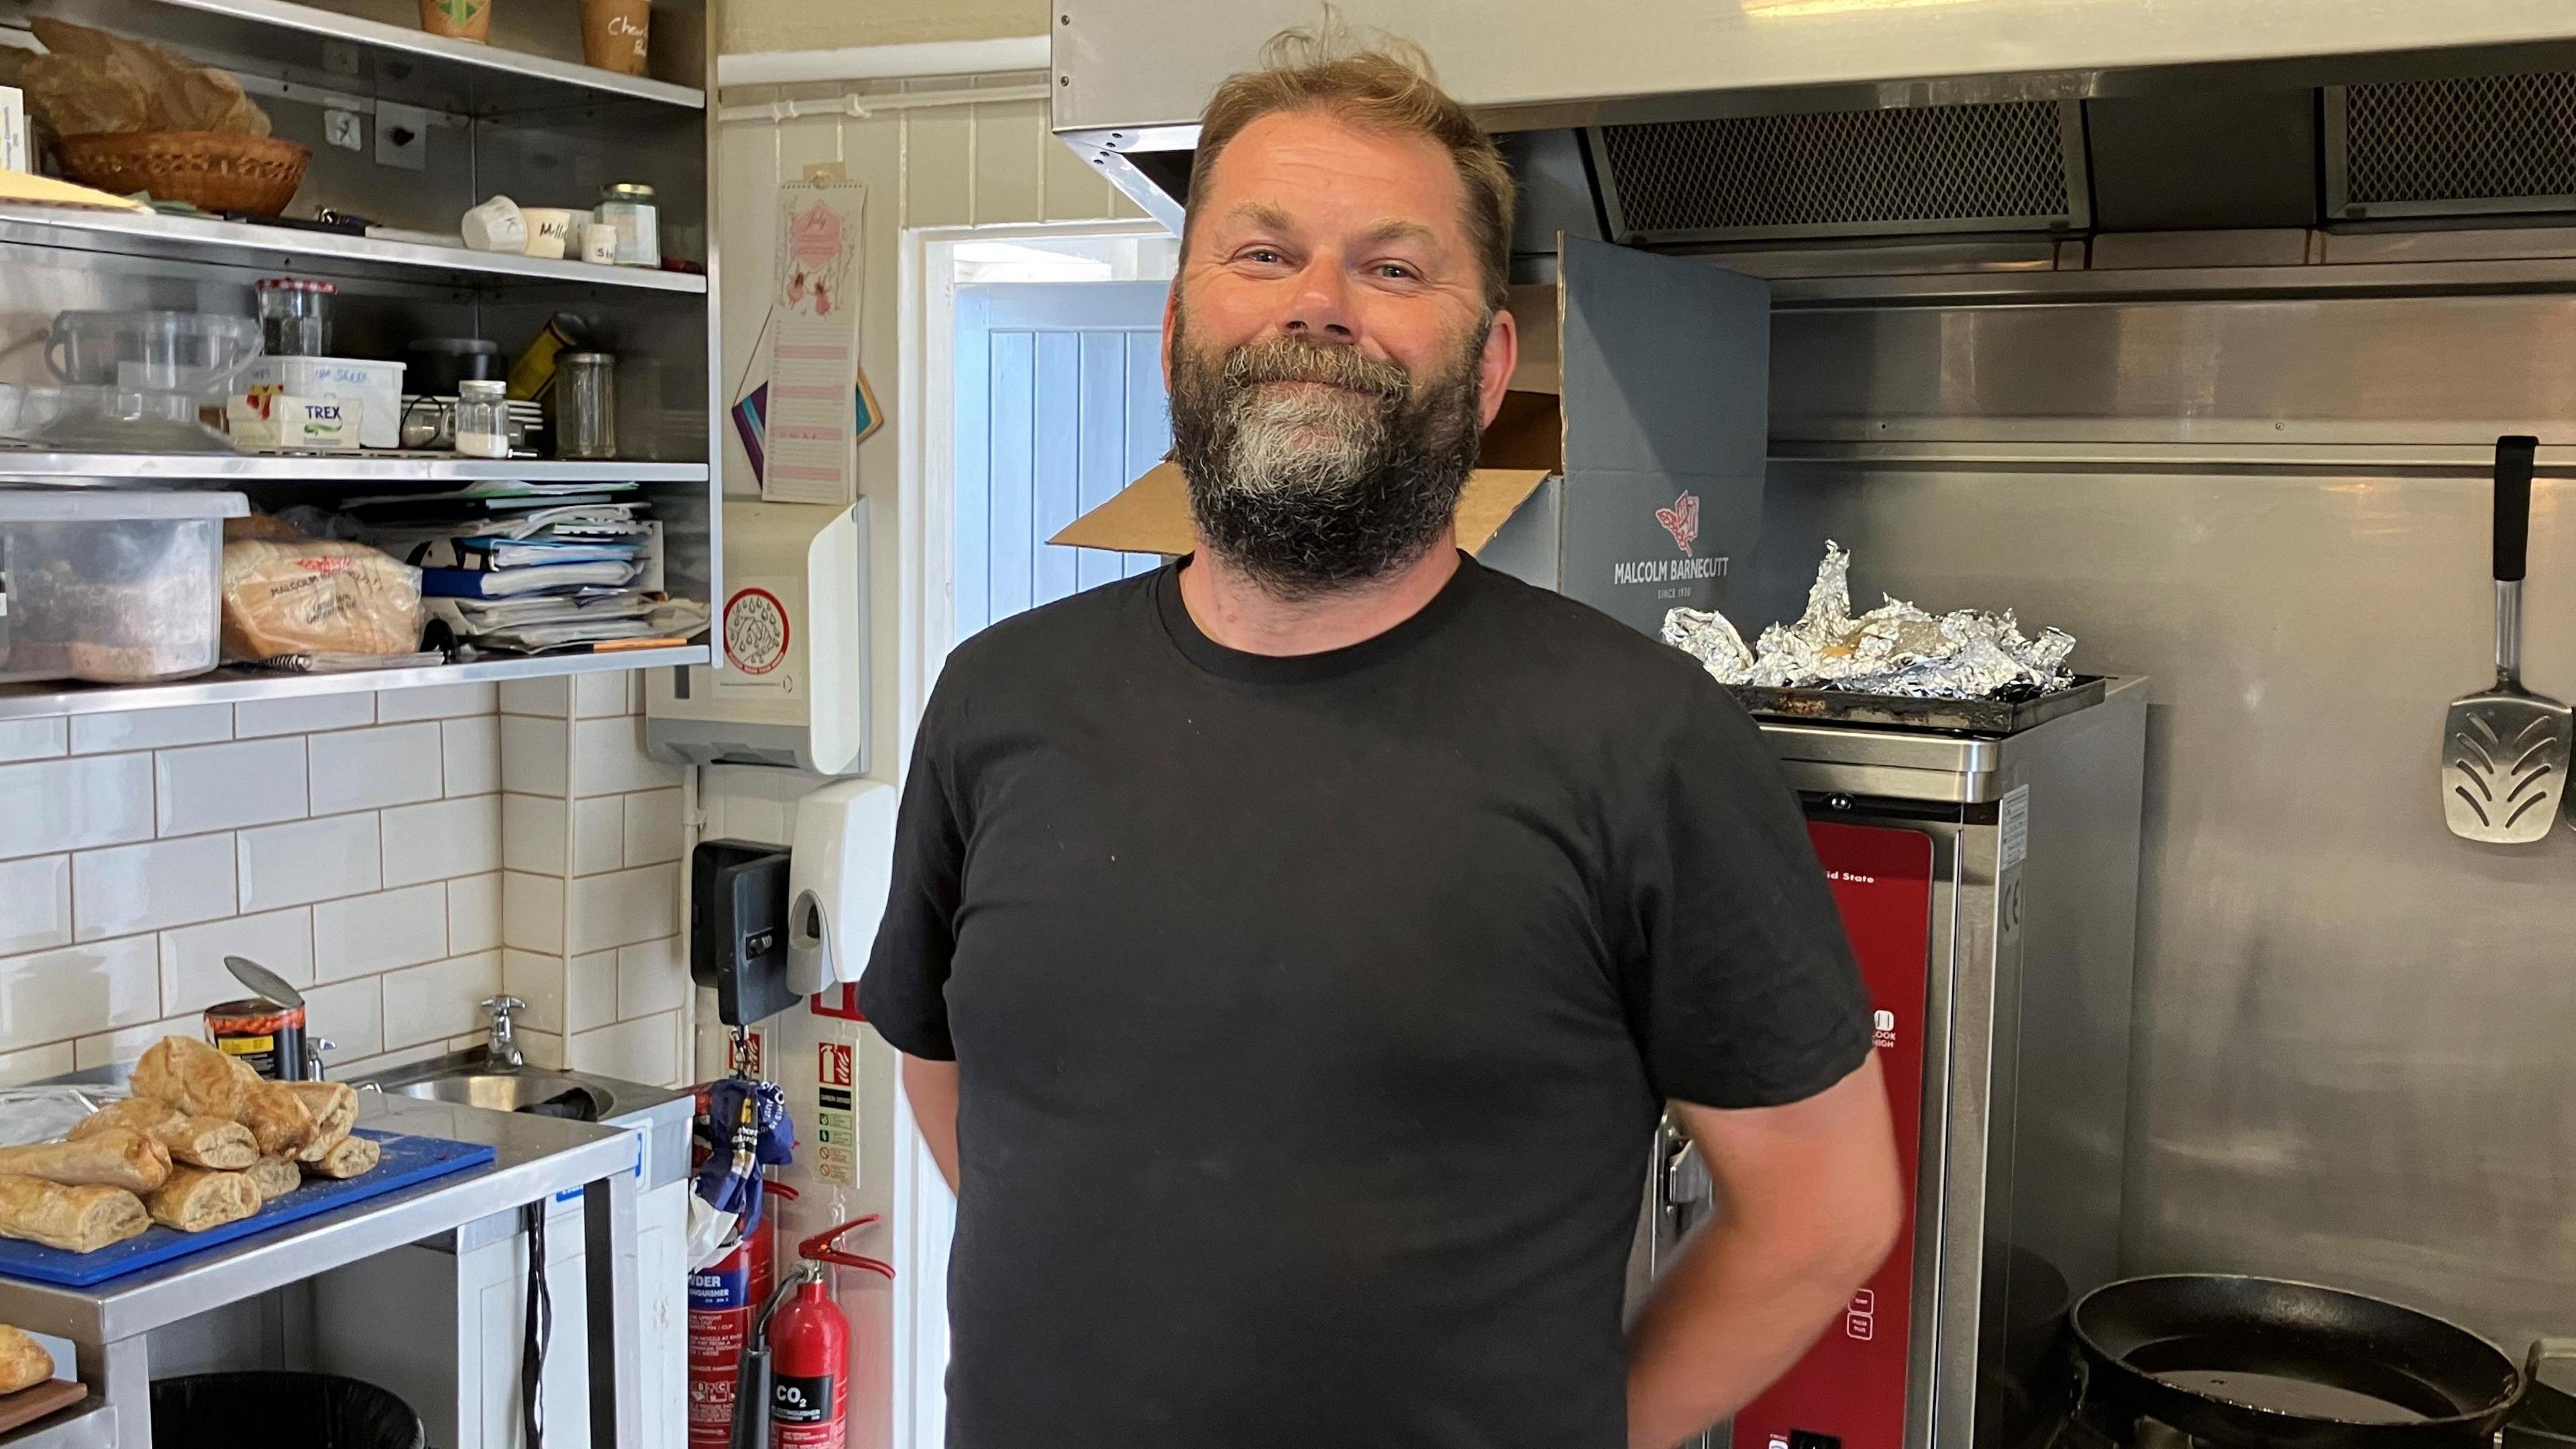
296	595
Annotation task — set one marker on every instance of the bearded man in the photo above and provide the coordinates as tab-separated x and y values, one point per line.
1291	950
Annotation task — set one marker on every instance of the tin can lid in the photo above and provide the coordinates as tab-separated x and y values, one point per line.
296	284
627	191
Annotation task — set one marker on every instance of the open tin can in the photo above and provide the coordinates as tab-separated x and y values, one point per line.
262	1035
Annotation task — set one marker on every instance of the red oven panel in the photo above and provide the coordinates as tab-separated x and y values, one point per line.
1849	1391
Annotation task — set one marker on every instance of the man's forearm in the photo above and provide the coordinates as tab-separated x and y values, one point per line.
1810	1203
931	1088
1727	1319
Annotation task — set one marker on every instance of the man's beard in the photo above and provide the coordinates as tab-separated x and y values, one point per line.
1313	468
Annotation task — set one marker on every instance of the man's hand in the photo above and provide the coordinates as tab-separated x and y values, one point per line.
1808	1207
931	1087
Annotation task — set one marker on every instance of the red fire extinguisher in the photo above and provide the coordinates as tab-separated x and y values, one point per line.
795	1368
724	1298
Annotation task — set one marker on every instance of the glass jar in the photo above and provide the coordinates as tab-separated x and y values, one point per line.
586	405
482	418
627	208
295	317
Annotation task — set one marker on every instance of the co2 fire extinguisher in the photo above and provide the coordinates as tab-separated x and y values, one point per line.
793	1391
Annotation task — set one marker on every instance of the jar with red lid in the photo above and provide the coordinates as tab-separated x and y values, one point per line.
295	316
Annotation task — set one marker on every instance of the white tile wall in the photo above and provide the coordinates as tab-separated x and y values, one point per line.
372	934
151	729
354	844
309	860
31	739
372	768
55	805
441	839
473	750
130	888
225	787
35	903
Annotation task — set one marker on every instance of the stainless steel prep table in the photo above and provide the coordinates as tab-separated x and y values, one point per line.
539	1157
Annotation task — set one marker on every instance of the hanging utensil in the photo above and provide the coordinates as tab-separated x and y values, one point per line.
2504	751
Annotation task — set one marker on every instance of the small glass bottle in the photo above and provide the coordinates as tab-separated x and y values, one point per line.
627	207
295	316
586	405
483	418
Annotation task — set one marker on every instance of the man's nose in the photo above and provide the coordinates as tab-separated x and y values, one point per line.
1321	309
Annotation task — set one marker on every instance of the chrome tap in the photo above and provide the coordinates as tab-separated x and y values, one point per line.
503	1046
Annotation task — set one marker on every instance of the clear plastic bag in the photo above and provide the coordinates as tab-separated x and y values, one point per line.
288	594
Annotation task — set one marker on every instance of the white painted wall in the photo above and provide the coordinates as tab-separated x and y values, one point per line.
787	25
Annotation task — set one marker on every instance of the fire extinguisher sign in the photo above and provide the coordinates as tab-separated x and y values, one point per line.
836	1121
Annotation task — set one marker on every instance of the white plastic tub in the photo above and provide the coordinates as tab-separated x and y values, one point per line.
111	586
375	386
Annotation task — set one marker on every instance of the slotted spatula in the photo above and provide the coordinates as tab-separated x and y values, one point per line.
2504	751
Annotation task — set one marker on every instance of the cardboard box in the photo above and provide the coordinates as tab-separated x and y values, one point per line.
1625	468
17	151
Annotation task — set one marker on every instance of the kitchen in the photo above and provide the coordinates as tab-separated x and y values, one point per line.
2111	418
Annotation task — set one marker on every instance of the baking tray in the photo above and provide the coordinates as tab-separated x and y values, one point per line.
406	1160
1964	716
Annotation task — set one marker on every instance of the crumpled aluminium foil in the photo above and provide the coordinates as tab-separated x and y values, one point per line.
1893	649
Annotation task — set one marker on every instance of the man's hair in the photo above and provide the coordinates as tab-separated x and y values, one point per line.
1385	86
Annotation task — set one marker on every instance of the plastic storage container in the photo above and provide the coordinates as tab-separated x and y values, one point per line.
196	352
111	586
375	386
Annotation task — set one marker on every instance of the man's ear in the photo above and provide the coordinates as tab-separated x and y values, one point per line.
1494	366
1171	319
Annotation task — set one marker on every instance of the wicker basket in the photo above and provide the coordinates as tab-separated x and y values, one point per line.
206	169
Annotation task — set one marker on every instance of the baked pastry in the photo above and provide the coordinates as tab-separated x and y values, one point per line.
334	1106
216	1142
24	1363
117	1157
74	1219
276	1118
194	1199
354	1157
275	1177
193	1077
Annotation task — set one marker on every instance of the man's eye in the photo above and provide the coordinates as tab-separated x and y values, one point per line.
1396	270
1264	254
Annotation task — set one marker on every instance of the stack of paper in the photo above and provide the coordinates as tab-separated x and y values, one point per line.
532	567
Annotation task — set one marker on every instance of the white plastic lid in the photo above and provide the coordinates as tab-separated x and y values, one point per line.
115	505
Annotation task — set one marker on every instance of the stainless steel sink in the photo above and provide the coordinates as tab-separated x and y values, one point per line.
553	1094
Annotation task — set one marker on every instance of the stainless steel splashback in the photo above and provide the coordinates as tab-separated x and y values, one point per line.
2352	1048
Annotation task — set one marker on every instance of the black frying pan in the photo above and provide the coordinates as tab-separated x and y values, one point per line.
2256	1362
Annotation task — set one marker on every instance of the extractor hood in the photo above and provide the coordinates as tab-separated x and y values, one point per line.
1706	124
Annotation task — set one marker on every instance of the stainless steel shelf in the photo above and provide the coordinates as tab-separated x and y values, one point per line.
228	243
357	54
233	686
30	465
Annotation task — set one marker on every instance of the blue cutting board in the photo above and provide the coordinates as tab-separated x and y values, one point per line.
405	1161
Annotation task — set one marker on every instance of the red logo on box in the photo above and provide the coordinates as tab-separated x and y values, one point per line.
1681	520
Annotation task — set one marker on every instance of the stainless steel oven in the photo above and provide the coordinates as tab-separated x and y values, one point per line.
1989	883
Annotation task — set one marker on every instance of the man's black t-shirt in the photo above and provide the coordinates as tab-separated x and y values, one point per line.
1313	1013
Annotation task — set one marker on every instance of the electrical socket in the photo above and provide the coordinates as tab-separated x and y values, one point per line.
345	130
402	136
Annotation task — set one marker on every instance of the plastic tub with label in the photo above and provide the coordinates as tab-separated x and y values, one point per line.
111	586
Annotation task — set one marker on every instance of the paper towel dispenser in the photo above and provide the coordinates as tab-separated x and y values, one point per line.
794	630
